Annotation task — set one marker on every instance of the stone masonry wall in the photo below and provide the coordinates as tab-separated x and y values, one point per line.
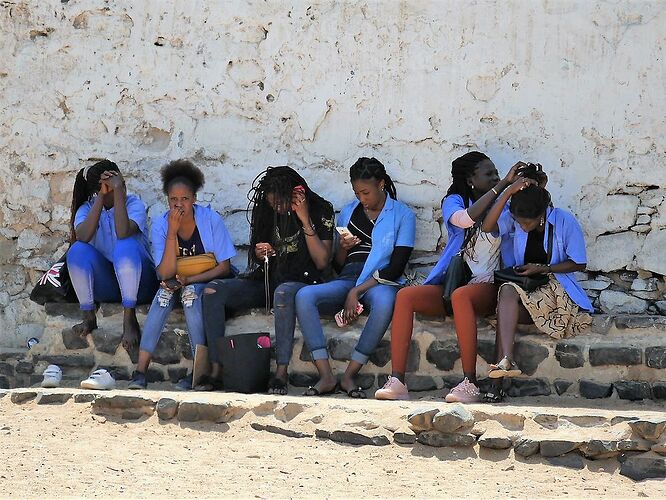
577	86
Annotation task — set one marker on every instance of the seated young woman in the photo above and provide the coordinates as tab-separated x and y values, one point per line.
374	249
292	227
186	230
474	189
109	260
560	307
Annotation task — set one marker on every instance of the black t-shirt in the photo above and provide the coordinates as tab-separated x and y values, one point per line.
193	246
361	227
534	252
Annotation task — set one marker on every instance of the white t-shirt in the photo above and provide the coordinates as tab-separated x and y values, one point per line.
485	259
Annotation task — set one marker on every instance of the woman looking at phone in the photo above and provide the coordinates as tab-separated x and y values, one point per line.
186	231
291	236
374	250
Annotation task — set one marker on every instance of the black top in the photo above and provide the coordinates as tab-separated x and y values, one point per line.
193	246
534	252
361	226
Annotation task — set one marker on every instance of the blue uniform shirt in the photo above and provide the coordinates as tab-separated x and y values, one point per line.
568	243
105	237
395	227
213	233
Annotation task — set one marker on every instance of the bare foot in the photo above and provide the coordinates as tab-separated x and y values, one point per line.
323	387
88	324
131	330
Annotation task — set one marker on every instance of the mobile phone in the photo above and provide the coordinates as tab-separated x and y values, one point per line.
340	320
343	231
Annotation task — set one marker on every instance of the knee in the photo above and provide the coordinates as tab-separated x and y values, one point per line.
459	295
126	247
79	251
282	297
508	293
304	298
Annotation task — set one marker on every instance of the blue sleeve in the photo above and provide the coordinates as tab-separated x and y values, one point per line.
406	229
158	239
81	214
224	246
574	241
136	211
505	224
450	206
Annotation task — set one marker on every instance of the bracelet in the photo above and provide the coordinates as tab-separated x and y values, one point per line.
308	234
494	191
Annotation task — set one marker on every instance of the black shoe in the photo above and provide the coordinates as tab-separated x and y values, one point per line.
138	381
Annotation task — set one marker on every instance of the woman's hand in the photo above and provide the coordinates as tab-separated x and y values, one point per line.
349	241
512	175
520	184
175	217
351	303
542	178
172	284
183	280
262	250
531	269
299	205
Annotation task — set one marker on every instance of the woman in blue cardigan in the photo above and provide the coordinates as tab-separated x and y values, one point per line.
374	249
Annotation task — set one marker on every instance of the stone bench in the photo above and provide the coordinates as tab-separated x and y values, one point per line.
621	356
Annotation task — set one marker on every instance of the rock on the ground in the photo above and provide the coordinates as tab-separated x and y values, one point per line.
22	397
421	418
353	437
274	429
561	385
341	348
594	390
608	354
382	354
644	466
495	442
166	408
404	435
57	398
659	390
633	390
443	354
569	355
655	357
85	397
570	461
128	407
521	387
650	429
614	301
439	439
529	356
193	411
107	340
73	340
526	447
557	447
455	418
288	411
605	448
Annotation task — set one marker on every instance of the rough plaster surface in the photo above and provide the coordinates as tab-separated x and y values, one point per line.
238	85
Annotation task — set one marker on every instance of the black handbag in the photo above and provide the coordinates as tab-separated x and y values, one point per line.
457	274
246	360
527	283
54	285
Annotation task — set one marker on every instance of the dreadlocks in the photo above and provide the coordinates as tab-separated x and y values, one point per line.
86	185
279	182
372	168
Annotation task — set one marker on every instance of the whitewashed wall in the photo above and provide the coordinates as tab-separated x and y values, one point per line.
576	85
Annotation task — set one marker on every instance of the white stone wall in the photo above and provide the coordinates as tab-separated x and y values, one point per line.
237	85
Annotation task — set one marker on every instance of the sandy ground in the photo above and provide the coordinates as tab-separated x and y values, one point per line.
66	451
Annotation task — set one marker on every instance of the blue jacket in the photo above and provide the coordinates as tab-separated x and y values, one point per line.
568	243
214	235
395	226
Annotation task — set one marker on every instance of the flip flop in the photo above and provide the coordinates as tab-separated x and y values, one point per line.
313	391
278	387
494	397
357	393
504	369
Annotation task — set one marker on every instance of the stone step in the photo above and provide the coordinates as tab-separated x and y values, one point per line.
621	357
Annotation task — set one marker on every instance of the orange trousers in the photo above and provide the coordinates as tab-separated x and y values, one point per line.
468	302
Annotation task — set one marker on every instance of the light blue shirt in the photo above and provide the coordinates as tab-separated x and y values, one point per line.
568	244
395	227
105	236
212	231
452	204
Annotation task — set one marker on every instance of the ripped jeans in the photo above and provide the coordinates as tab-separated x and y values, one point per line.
162	306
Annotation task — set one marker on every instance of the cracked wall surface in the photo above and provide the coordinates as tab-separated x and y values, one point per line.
575	85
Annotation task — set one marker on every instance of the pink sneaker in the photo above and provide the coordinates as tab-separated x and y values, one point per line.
464	392
393	389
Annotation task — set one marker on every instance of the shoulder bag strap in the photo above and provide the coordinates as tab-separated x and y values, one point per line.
550	243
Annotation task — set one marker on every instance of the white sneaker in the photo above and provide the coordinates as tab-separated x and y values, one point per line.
100	380
52	376
464	392
393	389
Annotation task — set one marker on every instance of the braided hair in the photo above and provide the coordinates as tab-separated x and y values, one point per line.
462	168
86	185
264	220
532	201
372	168
181	172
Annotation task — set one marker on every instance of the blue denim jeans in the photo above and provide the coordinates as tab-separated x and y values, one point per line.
162	306
233	296
129	278
330	298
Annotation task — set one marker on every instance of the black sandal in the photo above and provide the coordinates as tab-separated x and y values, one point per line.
208	384
313	391
494	397
278	387
357	393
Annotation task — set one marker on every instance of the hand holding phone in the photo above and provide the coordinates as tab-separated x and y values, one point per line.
339	317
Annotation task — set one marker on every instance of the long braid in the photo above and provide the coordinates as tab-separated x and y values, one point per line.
372	168
264	220
86	184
